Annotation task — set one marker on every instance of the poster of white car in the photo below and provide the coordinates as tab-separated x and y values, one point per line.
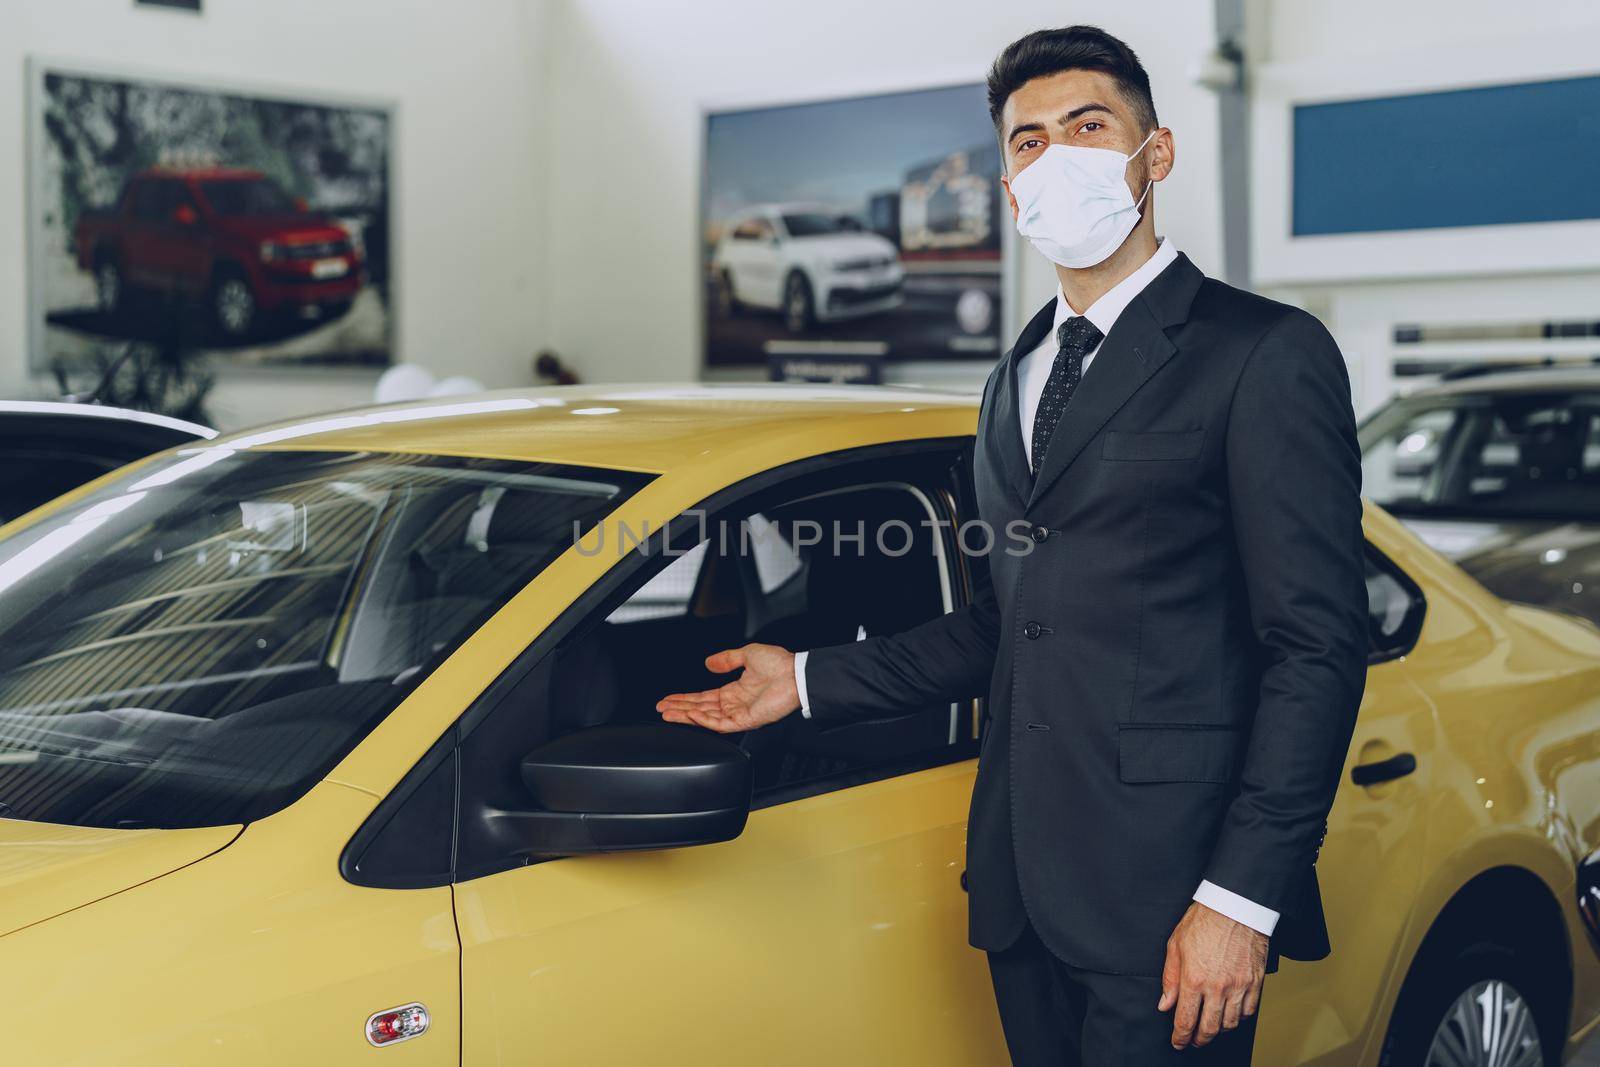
863	225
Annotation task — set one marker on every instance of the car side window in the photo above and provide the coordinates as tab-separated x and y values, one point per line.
31	476
150	200
826	569
1395	608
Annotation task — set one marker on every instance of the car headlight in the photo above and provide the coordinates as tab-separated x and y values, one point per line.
271	250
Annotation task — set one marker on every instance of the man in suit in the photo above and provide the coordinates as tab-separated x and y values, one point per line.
1173	670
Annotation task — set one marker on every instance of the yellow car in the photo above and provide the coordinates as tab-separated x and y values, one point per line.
334	742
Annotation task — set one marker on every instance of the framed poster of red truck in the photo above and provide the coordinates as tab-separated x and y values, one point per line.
250	226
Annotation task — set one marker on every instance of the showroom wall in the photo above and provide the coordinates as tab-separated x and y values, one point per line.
469	176
1452	44
628	82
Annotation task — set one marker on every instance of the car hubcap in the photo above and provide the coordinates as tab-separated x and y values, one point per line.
108	285
1489	1025
234	305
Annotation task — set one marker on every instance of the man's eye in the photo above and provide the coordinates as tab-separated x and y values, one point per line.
1029	143
1090	127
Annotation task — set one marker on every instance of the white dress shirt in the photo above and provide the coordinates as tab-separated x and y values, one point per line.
1033	370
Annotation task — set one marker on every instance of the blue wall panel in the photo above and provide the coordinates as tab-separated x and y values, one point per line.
1466	157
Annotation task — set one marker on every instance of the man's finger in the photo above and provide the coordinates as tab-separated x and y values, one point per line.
1252	997
729	659
1232	1009
1210	1018
709	699
1187	1015
1169	980
722	724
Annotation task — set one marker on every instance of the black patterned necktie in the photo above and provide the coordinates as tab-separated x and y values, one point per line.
1077	337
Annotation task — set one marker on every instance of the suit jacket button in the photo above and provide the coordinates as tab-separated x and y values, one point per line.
1032	631
1039	533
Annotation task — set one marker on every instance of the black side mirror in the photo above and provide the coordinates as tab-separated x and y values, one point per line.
624	788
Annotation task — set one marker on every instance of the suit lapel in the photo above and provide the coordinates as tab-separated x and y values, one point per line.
1005	430
1135	349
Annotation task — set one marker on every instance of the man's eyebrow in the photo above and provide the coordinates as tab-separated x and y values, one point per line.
1084	110
1077	112
1026	127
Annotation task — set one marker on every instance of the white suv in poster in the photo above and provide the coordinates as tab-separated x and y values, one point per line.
808	263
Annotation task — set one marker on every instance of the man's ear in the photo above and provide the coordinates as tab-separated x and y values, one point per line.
1162	154
1005	183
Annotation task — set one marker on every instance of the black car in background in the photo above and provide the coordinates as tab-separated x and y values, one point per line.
48	447
1500	471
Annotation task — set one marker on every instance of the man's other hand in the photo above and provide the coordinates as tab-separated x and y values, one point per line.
764	693
1215	967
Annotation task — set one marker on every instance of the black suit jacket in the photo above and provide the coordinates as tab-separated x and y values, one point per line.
1173	671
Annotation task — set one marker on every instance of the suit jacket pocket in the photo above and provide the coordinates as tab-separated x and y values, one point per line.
1179	752
1123	445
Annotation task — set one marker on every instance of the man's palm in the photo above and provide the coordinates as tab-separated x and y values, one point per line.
764	693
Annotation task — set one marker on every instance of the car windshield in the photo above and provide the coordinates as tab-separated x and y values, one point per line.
812	224
1510	455
247	196
198	642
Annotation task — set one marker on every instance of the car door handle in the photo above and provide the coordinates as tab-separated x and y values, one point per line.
1384	770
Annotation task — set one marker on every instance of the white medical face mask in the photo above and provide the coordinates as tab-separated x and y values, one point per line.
1073	203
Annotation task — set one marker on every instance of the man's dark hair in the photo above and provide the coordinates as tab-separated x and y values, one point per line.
1046	52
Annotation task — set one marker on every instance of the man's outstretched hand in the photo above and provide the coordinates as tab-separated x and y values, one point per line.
764	693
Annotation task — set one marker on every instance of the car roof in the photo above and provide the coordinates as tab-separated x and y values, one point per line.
653	428
1560	378
67	409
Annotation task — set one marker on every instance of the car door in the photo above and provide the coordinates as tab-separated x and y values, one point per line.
762	258
1370	863
834	927
146	223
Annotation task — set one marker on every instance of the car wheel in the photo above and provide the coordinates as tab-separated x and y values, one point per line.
799	309
727	303
109	291
233	305
1481	1008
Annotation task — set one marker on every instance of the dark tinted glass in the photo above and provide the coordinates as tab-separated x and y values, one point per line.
1392	608
241	196
198	642
28	478
811	224
1505	455
154	199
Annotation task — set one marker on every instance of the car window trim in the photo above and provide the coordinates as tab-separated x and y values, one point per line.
1407	638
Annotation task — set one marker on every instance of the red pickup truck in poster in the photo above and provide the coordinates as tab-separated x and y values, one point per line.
231	238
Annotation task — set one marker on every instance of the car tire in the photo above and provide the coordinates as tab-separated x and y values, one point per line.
233	304
1483	1005
110	288
799	306
728	305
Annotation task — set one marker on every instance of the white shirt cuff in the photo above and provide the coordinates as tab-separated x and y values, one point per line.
1240	910
800	682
